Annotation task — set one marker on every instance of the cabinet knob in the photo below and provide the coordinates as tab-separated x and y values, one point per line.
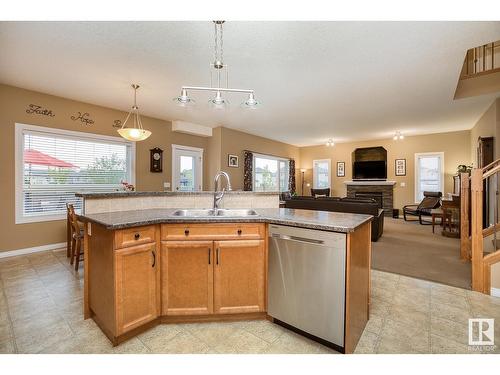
186	232
239	232
137	235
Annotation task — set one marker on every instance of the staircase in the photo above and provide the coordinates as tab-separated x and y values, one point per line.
473	233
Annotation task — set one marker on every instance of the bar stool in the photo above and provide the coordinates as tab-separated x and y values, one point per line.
76	237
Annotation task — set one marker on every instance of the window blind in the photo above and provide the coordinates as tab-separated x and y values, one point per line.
56	166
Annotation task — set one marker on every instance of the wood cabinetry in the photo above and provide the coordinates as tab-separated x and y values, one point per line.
239	276
136	286
187	277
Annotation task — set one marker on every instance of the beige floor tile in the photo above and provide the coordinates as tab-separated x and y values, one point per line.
291	343
452	299
132	346
450	312
450	329
7	347
265	330
241	342
32	307
448	289
374	324
384	275
405	281
442	345
396	337
409	316
383	294
419	302
367	343
159	335
379	307
32	341
380	283
210	333
182	343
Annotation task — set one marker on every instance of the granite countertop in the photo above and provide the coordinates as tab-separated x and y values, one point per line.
120	194
321	220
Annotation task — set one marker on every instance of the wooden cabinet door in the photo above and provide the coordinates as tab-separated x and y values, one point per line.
239	276
136	285
187	277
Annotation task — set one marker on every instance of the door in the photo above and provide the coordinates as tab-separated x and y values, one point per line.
239	276
137	299
187	277
429	173
187	168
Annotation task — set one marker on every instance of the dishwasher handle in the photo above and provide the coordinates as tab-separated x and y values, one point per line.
298	239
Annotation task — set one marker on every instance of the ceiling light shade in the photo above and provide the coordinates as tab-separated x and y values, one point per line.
330	143
395	137
136	132
251	102
183	99
401	136
218	102
398	135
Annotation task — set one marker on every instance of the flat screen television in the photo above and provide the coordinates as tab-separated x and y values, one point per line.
370	170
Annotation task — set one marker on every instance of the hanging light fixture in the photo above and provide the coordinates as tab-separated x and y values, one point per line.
218	80
398	135
137	133
330	143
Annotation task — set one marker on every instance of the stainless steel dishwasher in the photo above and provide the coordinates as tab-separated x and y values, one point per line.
306	289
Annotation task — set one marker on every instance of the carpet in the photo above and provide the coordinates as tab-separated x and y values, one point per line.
411	249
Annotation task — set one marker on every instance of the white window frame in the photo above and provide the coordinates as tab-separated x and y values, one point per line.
417	172
180	148
315	183
19	164
270	157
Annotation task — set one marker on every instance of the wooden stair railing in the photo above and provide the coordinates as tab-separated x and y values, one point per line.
481	264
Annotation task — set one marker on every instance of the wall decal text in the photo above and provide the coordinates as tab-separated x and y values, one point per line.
39	110
83	118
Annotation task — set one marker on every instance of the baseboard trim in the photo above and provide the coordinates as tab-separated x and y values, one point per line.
30	250
495	292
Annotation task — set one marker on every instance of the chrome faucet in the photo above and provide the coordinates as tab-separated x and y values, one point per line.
218	195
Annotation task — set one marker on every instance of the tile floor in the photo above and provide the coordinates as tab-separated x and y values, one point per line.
41	312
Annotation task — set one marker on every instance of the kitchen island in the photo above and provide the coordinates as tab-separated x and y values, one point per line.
151	266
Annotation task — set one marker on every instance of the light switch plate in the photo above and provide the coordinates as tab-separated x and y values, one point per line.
166	185
402	184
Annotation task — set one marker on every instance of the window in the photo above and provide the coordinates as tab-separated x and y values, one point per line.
270	173
52	165
187	168
321	173
429	169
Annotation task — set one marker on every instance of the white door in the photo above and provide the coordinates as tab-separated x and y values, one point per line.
429	173
187	168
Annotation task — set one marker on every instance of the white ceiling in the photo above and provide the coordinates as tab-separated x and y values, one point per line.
316	80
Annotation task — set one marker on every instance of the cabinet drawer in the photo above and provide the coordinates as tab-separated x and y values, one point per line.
134	236
176	232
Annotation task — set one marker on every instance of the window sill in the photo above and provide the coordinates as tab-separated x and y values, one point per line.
39	219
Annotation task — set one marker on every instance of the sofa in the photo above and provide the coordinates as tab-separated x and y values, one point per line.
348	205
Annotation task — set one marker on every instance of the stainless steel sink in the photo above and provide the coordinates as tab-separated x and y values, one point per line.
193	213
242	212
210	212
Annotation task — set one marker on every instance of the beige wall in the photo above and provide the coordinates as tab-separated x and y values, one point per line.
14	102
455	145
236	142
486	126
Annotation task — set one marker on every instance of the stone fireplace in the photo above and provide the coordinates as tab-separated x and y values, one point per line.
381	191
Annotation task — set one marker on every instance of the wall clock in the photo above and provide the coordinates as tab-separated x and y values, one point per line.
156	160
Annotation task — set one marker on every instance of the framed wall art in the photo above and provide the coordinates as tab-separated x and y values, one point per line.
400	167
340	169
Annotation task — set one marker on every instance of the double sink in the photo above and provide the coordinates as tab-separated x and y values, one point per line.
215	213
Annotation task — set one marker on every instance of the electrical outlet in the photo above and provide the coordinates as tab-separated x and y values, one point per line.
166	185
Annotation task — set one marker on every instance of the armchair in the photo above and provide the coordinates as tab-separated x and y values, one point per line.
432	200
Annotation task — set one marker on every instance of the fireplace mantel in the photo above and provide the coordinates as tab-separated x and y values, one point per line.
373	182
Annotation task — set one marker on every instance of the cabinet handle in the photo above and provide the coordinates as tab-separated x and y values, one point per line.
154	259
136	236
209	254
217	256
186	232
239	232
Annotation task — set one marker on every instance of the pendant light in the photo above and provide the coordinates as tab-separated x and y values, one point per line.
218	80
137	132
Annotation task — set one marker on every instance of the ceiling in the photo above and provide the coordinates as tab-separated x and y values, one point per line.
316	80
